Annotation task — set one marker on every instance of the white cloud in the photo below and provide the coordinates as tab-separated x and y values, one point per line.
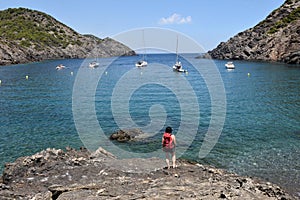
175	19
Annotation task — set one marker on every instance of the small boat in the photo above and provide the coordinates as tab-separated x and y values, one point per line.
60	67
141	63
229	65
94	64
178	66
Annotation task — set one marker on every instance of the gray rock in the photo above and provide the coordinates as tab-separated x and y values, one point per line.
277	38
76	174
126	135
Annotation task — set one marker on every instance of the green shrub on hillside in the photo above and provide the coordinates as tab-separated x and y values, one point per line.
27	27
294	15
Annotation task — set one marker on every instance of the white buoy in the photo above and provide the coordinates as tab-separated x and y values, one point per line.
106	73
0	82
71	73
248	74
27	77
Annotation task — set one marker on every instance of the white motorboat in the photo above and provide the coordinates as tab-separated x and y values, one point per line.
60	67
229	65
94	64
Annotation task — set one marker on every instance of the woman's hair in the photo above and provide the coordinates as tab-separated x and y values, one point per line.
168	129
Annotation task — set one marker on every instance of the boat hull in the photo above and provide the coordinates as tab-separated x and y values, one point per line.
141	64
60	67
179	70
94	65
229	65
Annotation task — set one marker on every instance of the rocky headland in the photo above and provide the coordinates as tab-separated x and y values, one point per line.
28	36
55	174
276	39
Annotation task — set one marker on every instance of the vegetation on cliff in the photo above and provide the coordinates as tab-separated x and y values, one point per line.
293	16
274	39
28	35
24	27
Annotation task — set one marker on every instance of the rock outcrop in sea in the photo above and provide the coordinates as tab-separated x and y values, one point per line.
277	38
55	174
28	36
128	135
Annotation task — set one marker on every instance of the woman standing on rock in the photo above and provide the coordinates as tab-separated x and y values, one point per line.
169	143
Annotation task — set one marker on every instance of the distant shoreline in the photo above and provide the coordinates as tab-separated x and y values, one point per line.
202	56
5	63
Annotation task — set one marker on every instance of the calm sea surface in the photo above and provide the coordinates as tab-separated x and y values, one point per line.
260	137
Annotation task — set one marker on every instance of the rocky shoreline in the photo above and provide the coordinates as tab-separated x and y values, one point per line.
78	174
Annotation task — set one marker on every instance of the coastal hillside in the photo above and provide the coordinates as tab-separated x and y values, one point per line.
277	38
28	35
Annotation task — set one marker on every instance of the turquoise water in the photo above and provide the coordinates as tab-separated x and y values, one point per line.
261	134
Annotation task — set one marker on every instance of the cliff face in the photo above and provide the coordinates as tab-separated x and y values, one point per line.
277	38
27	35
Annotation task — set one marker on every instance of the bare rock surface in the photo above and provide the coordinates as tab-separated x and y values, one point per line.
277	38
79	174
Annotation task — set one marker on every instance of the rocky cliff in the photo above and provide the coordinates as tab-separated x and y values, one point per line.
28	35
277	38
56	174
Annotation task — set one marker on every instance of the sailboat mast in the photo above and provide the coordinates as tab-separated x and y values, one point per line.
144	46
177	50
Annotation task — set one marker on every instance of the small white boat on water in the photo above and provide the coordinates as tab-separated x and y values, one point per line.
141	63
60	67
178	66
229	65
94	64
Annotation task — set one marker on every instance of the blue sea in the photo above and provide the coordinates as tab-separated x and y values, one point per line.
259	136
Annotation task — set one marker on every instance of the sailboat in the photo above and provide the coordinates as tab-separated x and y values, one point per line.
94	64
142	63
178	66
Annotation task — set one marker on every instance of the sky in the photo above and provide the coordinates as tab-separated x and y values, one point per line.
207	22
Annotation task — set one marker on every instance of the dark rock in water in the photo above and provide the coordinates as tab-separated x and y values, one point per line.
126	135
277	38
78	174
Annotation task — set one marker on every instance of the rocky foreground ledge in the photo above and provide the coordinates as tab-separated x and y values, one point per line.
79	174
